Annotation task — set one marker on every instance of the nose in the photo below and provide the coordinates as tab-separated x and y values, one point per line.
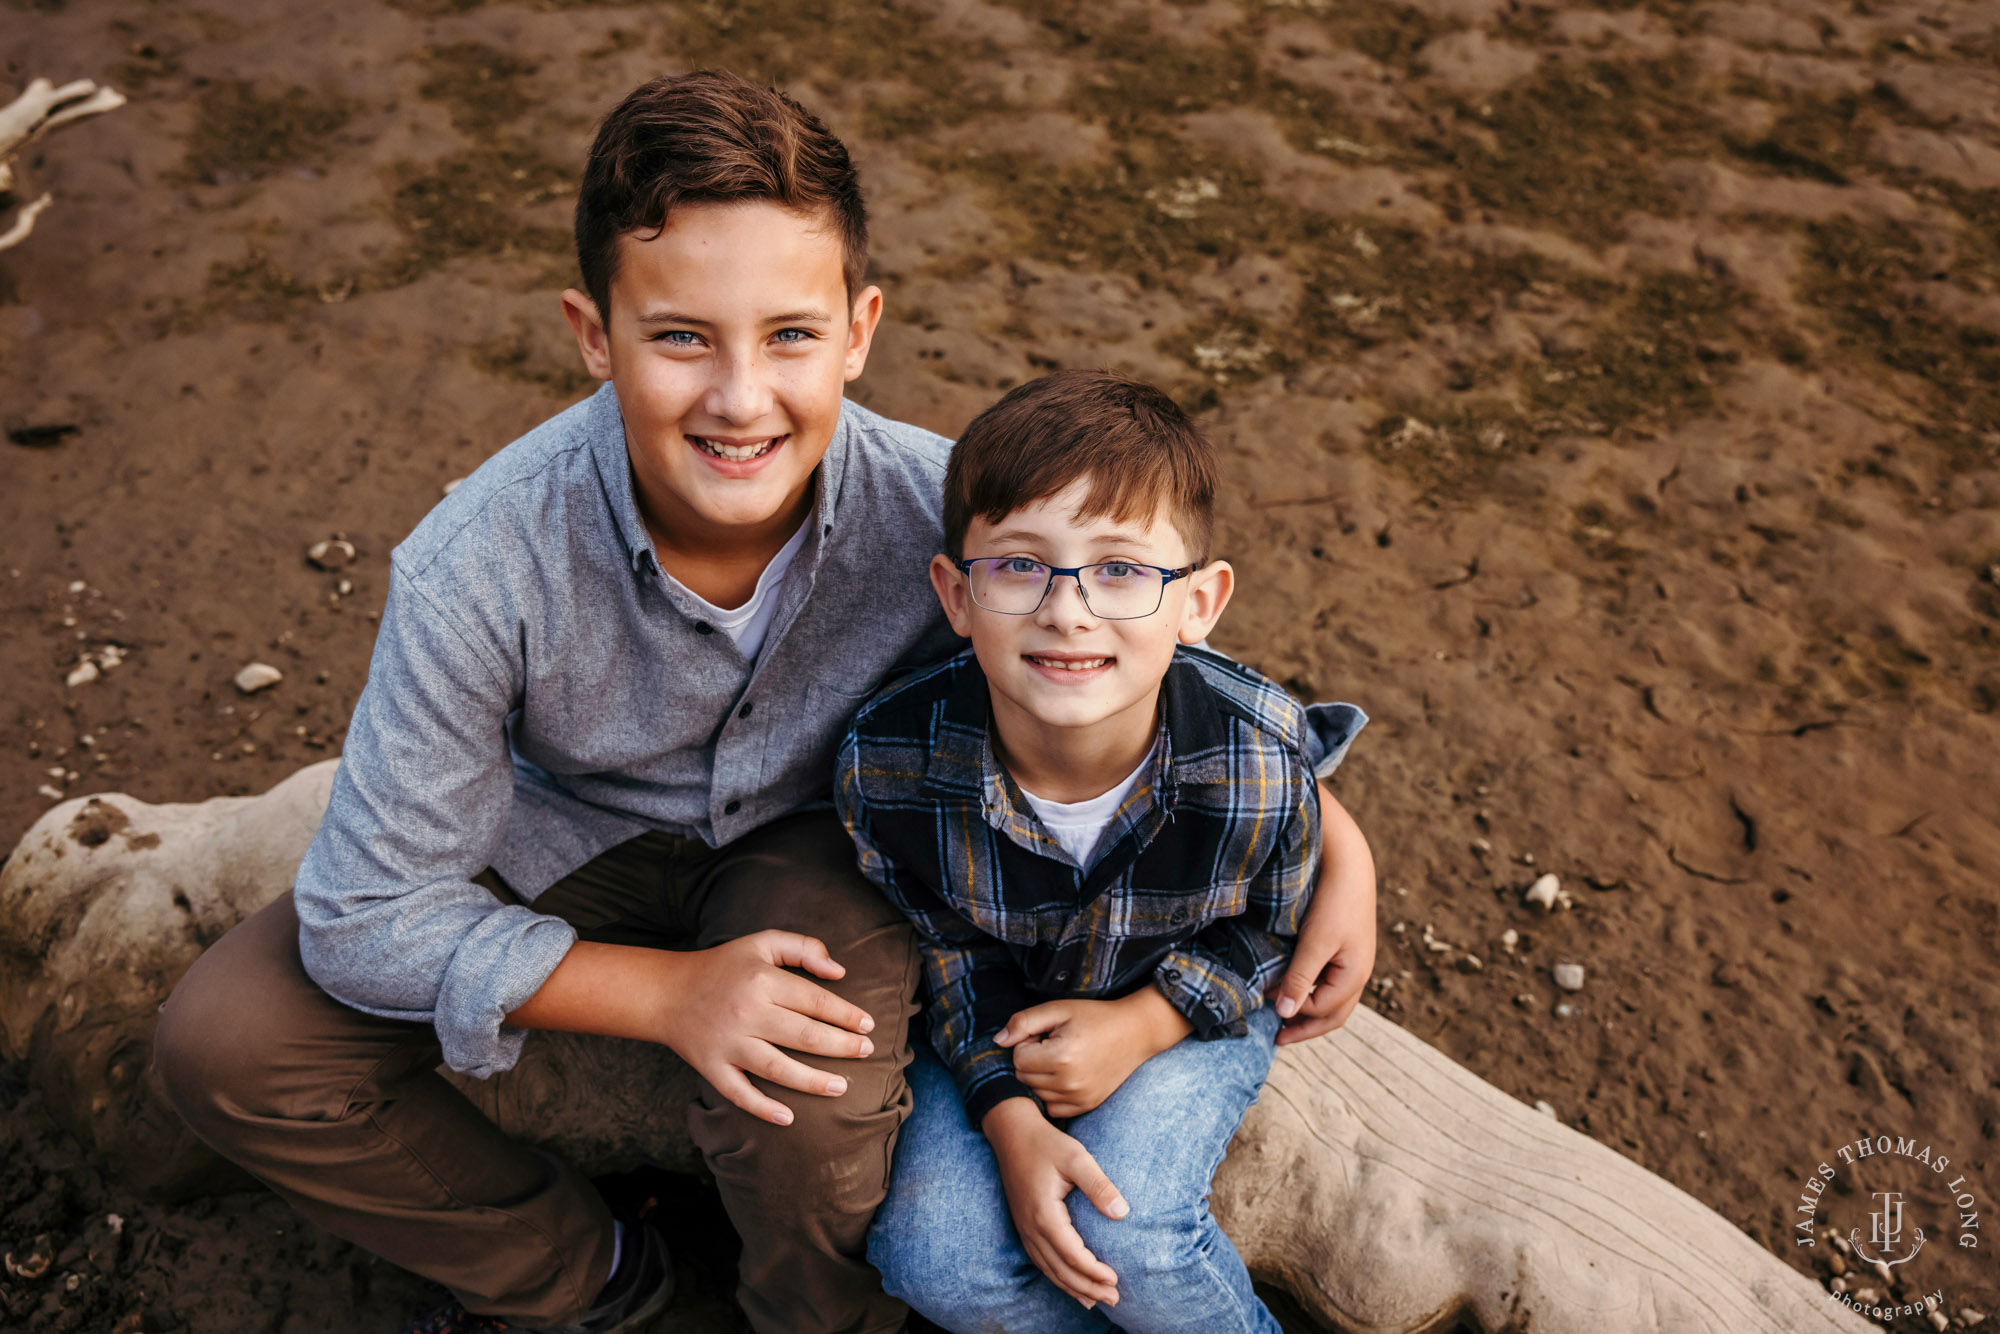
741	390
1063	605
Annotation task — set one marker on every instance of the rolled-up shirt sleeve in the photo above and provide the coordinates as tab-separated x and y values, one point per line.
390	921
1329	730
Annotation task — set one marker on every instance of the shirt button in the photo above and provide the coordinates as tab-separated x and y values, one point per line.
703	628
1180	914
744	712
732	808
1172	974
1063	976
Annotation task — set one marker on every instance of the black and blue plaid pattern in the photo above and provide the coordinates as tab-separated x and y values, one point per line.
1200	883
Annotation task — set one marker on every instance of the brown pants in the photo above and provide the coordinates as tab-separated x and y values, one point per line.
345	1115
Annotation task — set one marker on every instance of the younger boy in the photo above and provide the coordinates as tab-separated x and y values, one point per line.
1105	836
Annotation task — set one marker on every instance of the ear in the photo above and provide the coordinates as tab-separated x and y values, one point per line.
952	594
1208	593
861	322
588	326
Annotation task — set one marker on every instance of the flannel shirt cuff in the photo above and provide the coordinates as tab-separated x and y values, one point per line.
1209	998
987	1093
1330	730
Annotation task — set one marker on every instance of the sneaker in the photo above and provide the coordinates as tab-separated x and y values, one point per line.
642	1292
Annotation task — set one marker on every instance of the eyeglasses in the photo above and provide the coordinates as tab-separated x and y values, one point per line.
1115	590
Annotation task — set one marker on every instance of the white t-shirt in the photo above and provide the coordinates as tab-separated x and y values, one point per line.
749	623
1079	825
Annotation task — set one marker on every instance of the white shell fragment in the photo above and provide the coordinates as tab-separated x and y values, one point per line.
331	554
1568	976
1543	891
82	674
258	676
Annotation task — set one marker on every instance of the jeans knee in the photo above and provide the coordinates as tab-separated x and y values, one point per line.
927	1263
1143	1244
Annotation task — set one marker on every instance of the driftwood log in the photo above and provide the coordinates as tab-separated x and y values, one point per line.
1387	1188
41	107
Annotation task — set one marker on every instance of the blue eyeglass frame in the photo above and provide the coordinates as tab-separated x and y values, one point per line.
1075	572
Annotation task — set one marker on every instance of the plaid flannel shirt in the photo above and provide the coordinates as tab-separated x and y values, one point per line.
1199	886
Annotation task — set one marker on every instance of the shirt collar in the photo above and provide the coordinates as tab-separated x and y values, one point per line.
605	425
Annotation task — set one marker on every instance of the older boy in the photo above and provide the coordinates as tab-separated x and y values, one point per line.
1106	840
586	786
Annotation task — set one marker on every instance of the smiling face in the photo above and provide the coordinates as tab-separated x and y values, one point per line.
730	337
1061	678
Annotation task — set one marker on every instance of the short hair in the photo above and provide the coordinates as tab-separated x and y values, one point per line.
1134	444
710	137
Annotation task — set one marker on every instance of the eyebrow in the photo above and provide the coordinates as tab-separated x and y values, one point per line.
790	317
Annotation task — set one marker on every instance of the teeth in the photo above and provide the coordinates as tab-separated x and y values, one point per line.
736	453
1070	664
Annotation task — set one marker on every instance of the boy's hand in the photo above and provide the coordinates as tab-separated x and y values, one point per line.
726	1010
1039	1166
1075	1053
1335	952
736	1007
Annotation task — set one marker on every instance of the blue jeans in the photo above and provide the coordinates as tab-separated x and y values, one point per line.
945	1242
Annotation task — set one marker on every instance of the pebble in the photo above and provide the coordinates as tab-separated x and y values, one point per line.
258	676
1568	976
1509	939
331	554
1542	1106
52	793
1836	1284
1564	1009
453	485
1543	891
1966	1315
1867	1297
1939	1321
1481	846
41	1254
77	586
82	674
1524	1000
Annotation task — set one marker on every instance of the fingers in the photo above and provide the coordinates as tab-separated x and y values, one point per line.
1033	1022
776	1066
1296	989
1083	1172
816	1002
789	949
730	1083
1324	1011
1058	1251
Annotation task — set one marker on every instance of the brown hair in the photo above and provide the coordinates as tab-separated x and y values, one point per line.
710	137
1134	444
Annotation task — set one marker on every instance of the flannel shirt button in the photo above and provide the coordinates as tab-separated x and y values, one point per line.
703	628
1180	914
1063	976
744	712
1172	974
732	808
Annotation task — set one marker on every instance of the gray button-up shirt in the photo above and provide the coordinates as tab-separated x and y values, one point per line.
541	692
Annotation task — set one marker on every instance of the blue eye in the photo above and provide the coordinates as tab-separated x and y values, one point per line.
1117	569
671	337
1022	565
804	335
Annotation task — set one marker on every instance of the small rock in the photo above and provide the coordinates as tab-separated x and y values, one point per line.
1836	1285
1966	1315
82	674
1836	1264
258	676
1992	577
1939	1321
453	485
134	1323
1564	1009
331	554
1543	892
1867	1297
1524	1000
1481	846
1469	963
1542	1106
1568	976
52	793
40	1255
1509	939
77	586
1839	1243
